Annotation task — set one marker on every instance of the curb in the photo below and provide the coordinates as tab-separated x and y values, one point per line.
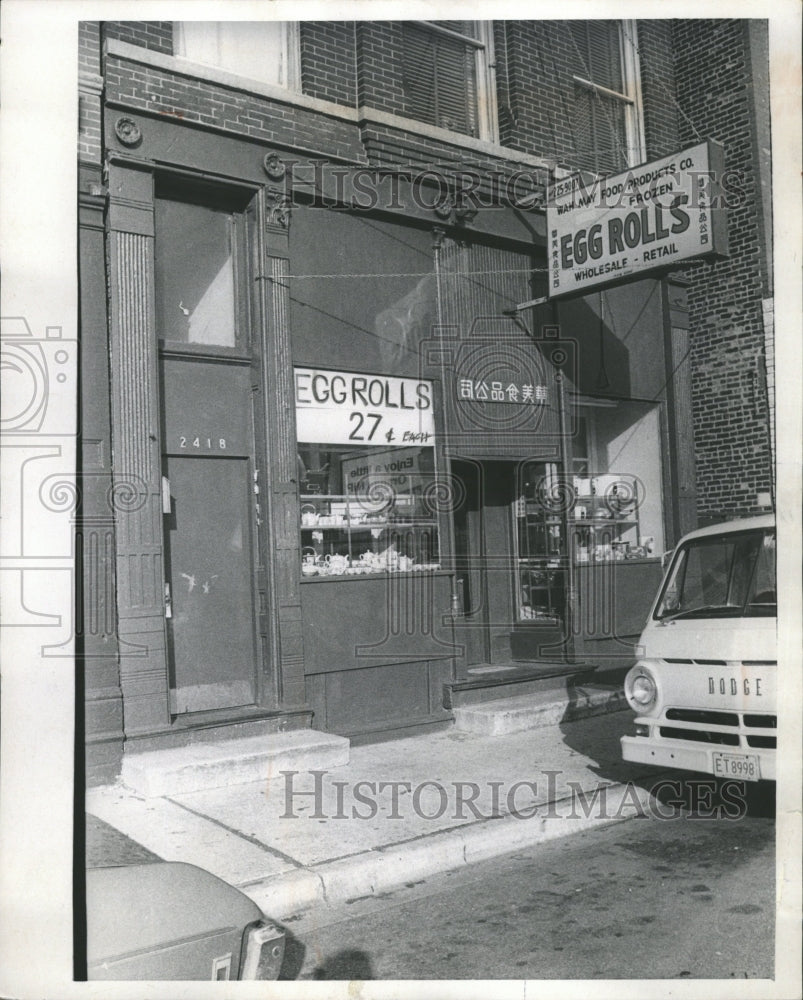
390	867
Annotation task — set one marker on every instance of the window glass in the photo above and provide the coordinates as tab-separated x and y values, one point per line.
195	274
762	591
616	446
260	50
599	124
375	317
725	576
367	510
540	545
440	78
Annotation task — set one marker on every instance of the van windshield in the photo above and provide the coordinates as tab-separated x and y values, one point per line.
722	576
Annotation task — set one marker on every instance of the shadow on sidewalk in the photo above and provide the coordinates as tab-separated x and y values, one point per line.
596	736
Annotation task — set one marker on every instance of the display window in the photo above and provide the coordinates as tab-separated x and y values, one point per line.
368	487
616	485
606	507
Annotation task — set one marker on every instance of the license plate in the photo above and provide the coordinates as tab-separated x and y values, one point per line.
740	766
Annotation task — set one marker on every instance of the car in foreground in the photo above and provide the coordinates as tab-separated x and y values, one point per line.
170	920
704	688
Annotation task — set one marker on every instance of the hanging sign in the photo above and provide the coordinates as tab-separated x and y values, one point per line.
629	225
334	407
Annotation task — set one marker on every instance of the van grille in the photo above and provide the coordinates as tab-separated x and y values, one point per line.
761	721
722	663
761	742
731	729
700	715
700	735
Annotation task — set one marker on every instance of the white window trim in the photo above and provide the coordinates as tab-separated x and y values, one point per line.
291	44
635	143
634	116
482	42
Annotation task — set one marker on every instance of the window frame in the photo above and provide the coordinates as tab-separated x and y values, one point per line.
484	67
675	579
236	201
291	43
630	96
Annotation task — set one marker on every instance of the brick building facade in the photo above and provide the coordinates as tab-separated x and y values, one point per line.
383	184
730	301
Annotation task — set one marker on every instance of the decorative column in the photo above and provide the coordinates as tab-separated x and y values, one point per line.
283	572
135	440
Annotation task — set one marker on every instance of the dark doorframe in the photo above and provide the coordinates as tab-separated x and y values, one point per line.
471	628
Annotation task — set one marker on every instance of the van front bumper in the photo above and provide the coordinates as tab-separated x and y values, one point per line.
677	753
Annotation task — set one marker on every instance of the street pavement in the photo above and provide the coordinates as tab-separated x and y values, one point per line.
681	898
398	811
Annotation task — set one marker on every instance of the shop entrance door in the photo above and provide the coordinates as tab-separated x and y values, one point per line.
484	559
209	506
209	374
511	562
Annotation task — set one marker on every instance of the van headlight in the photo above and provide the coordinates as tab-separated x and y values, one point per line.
641	690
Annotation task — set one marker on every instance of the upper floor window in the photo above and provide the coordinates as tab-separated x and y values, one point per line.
608	133
266	51
447	76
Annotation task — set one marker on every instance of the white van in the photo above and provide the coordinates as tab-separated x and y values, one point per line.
704	689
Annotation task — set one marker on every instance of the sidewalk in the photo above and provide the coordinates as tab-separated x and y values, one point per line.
396	813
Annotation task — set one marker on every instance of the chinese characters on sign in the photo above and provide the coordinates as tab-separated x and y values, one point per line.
479	390
631	224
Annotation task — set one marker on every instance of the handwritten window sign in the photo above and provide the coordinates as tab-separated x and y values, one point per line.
649	218
334	407
482	391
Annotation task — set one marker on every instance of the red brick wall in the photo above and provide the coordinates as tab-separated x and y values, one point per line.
538	84
379	67
228	108
328	61
89	114
658	88
730	405
387	146
156	35
89	46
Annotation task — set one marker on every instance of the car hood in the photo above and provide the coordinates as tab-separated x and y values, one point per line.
139	907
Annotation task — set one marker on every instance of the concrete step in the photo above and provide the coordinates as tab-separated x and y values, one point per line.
503	716
215	764
492	681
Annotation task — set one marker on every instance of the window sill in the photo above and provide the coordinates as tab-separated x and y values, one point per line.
211	74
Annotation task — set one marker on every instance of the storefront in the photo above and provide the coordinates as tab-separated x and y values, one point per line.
357	474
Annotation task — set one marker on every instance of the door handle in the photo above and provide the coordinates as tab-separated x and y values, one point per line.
167	507
457	598
168	601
